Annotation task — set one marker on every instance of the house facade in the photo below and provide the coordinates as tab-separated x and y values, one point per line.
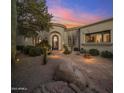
98	35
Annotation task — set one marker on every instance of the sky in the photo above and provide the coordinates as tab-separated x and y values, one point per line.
73	13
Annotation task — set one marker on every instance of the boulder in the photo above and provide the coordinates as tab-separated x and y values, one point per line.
54	87
75	88
71	73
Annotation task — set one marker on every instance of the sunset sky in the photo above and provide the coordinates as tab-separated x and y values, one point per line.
79	12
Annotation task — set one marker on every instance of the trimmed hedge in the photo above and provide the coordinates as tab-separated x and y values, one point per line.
106	54
26	49
94	52
82	50
31	50
19	47
35	51
76	49
49	52
66	51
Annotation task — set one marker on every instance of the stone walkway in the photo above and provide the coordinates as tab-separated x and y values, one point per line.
29	73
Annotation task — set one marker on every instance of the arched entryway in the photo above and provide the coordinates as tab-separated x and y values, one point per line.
55	42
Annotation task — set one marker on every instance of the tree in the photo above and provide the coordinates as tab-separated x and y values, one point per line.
33	16
13	30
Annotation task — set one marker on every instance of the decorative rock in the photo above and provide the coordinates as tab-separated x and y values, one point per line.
70	72
37	90
88	91
56	87
75	88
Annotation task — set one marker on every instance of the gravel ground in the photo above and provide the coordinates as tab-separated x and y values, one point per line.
29	72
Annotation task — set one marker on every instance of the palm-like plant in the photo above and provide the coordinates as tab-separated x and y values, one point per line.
45	48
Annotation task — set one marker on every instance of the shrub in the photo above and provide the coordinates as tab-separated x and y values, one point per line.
19	47
76	49
88	56
66	51
35	51
94	52
106	54
49	52
82	50
26	49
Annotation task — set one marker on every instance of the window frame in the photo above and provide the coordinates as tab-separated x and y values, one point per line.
102	33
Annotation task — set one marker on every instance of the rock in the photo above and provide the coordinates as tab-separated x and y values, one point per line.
91	90
70	72
75	88
56	87
88	91
37	90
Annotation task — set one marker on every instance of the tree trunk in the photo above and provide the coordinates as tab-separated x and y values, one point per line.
13	30
45	57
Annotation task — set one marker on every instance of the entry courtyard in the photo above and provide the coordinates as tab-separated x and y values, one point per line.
29	73
62	46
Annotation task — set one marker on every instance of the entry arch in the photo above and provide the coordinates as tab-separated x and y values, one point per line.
55	42
57	36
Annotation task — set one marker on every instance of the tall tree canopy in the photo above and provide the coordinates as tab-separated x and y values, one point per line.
32	16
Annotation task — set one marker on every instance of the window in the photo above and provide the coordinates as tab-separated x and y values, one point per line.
98	37
106	37
69	39
74	40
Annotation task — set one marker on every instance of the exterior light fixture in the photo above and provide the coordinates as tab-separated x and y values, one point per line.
17	59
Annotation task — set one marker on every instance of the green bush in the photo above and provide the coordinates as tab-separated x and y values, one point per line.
49	52
94	52
19	47
66	51
35	51
76	49
82	51
106	54
26	49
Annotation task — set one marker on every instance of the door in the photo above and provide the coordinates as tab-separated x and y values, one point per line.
55	42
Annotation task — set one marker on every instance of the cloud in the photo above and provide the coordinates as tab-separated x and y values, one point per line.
72	18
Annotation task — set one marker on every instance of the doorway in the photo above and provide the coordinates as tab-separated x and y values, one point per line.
55	42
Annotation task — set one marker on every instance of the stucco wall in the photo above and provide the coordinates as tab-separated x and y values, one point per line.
21	40
60	32
79	33
73	34
103	26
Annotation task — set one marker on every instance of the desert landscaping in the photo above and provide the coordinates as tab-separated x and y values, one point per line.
62	74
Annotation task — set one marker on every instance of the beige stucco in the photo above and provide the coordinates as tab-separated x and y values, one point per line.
78	33
60	32
103	26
